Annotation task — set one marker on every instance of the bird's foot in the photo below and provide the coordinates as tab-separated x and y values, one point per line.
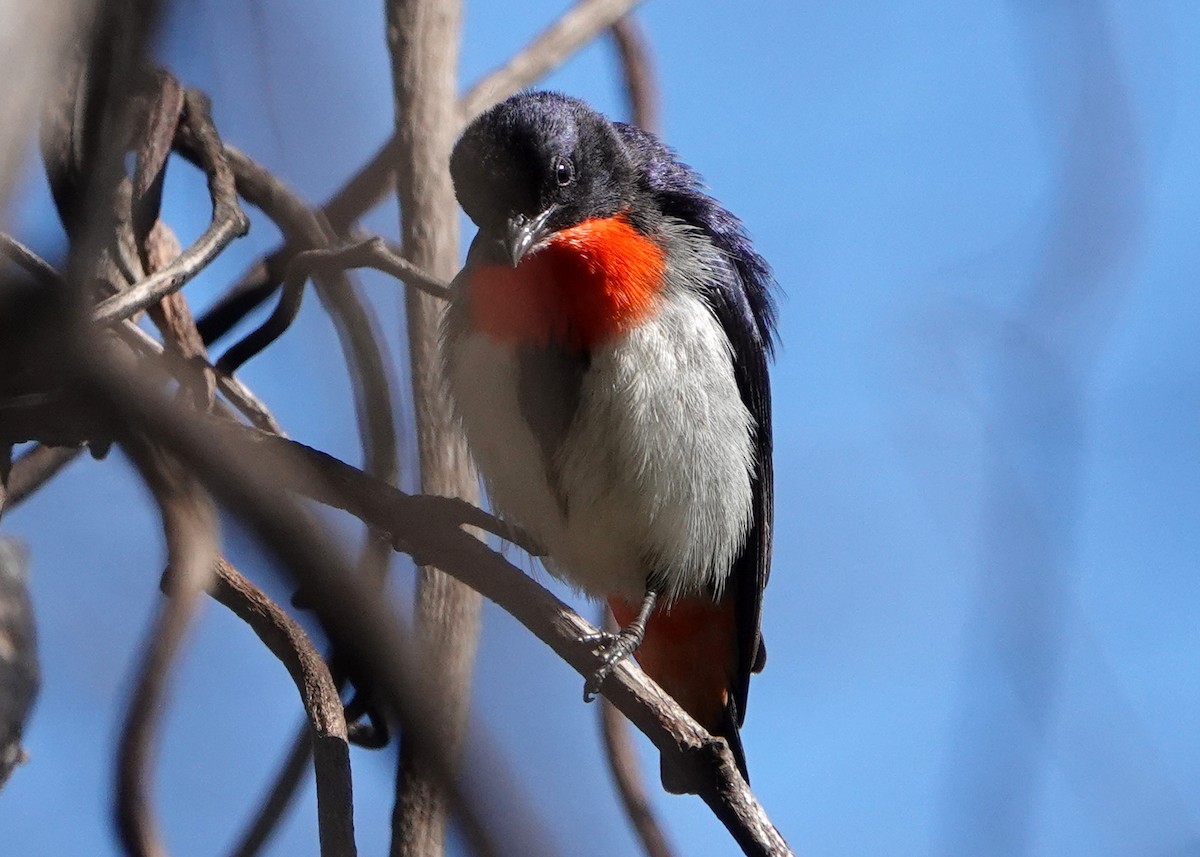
614	648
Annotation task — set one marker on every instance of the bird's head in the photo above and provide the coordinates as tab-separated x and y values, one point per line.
536	164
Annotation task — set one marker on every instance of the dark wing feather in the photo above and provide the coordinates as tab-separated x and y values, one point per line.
744	304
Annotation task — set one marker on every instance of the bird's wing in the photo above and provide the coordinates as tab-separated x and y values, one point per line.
742	299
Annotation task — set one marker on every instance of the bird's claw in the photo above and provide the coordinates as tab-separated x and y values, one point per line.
612	649
599	641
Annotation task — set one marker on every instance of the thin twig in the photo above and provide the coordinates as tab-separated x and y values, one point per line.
383	255
31	262
292	646
280	796
291	296
577	26
174	320
626	771
228	222
34	468
373	253
637	73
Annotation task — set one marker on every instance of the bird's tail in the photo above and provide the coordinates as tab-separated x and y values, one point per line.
690	650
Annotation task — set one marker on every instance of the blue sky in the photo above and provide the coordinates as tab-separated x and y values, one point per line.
982	618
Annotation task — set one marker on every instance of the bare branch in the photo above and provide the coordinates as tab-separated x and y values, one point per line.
578	26
228	222
31	262
382	255
18	656
279	797
624	766
432	528
33	43
637	70
35	468
359	622
423	38
174	320
372	253
331	752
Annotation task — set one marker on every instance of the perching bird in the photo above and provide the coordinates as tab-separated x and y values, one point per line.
606	347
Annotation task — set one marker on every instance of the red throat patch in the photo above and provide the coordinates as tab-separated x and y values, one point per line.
590	283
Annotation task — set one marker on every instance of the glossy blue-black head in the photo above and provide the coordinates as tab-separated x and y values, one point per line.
537	163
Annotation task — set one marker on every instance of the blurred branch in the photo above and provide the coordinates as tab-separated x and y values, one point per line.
38	465
577	26
624	766
637	73
34	41
30	262
1035	431
327	733
189	523
18	656
423	38
280	796
359	622
34	468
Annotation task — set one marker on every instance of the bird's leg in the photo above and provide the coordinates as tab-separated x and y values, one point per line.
614	648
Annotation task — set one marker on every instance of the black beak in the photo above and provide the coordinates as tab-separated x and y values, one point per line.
523	234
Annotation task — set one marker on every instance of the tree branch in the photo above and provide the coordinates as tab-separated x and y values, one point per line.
34	468
637	72
432	528
322	702
279	797
578	26
423	44
359	622
626	772
228	222
19	677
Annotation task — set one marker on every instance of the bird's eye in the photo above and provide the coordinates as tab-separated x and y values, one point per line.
564	172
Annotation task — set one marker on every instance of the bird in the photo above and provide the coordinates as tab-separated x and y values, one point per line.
606	349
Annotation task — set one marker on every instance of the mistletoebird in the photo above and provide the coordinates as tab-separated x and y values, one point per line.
606	347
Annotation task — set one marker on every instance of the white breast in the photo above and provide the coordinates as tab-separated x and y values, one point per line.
653	475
